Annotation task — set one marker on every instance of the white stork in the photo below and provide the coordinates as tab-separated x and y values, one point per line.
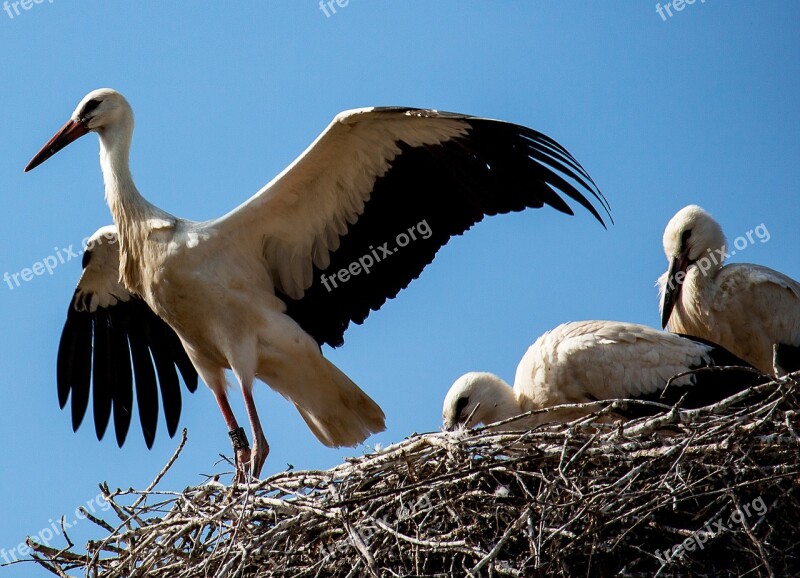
586	361
751	310
260	289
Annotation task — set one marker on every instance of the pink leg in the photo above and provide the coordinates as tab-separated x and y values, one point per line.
260	445
240	446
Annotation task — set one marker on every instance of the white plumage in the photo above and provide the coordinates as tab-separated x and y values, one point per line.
252	290
98	287
748	309
586	361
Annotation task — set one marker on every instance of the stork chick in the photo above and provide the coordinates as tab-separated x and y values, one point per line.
586	361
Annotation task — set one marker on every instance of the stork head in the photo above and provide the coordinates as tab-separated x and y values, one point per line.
98	111
691	236
477	398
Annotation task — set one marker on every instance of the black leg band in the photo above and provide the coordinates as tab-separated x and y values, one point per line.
239	439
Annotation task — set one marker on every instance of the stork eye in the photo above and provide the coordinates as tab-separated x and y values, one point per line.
90	106
685	237
460	405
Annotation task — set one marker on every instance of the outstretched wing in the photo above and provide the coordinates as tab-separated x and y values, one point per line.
365	208
113	340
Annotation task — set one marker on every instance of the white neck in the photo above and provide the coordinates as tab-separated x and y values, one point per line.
498	399
126	204
133	215
696	298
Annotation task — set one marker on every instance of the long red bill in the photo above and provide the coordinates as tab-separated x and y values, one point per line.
70	132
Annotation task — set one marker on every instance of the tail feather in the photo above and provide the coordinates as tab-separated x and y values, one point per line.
337	411
723	375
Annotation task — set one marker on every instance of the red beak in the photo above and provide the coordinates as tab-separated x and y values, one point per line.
70	132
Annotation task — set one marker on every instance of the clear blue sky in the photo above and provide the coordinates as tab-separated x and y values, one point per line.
702	107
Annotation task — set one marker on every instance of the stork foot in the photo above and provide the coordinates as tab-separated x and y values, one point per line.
258	456
243	457
242	453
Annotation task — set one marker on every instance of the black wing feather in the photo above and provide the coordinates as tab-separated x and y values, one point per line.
113	350
161	349
74	364
122	387
187	370
497	168
145	377
102	373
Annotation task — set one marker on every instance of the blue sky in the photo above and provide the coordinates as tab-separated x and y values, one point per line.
702	107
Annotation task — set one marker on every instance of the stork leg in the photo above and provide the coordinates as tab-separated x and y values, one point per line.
260	446
241	449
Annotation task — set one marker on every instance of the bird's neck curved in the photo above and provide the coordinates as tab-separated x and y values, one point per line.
127	205
694	305
122	195
133	215
499	400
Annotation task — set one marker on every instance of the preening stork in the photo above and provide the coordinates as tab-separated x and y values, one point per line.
586	361
113	339
260	289
751	310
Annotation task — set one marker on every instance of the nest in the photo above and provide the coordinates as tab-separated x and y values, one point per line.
706	492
